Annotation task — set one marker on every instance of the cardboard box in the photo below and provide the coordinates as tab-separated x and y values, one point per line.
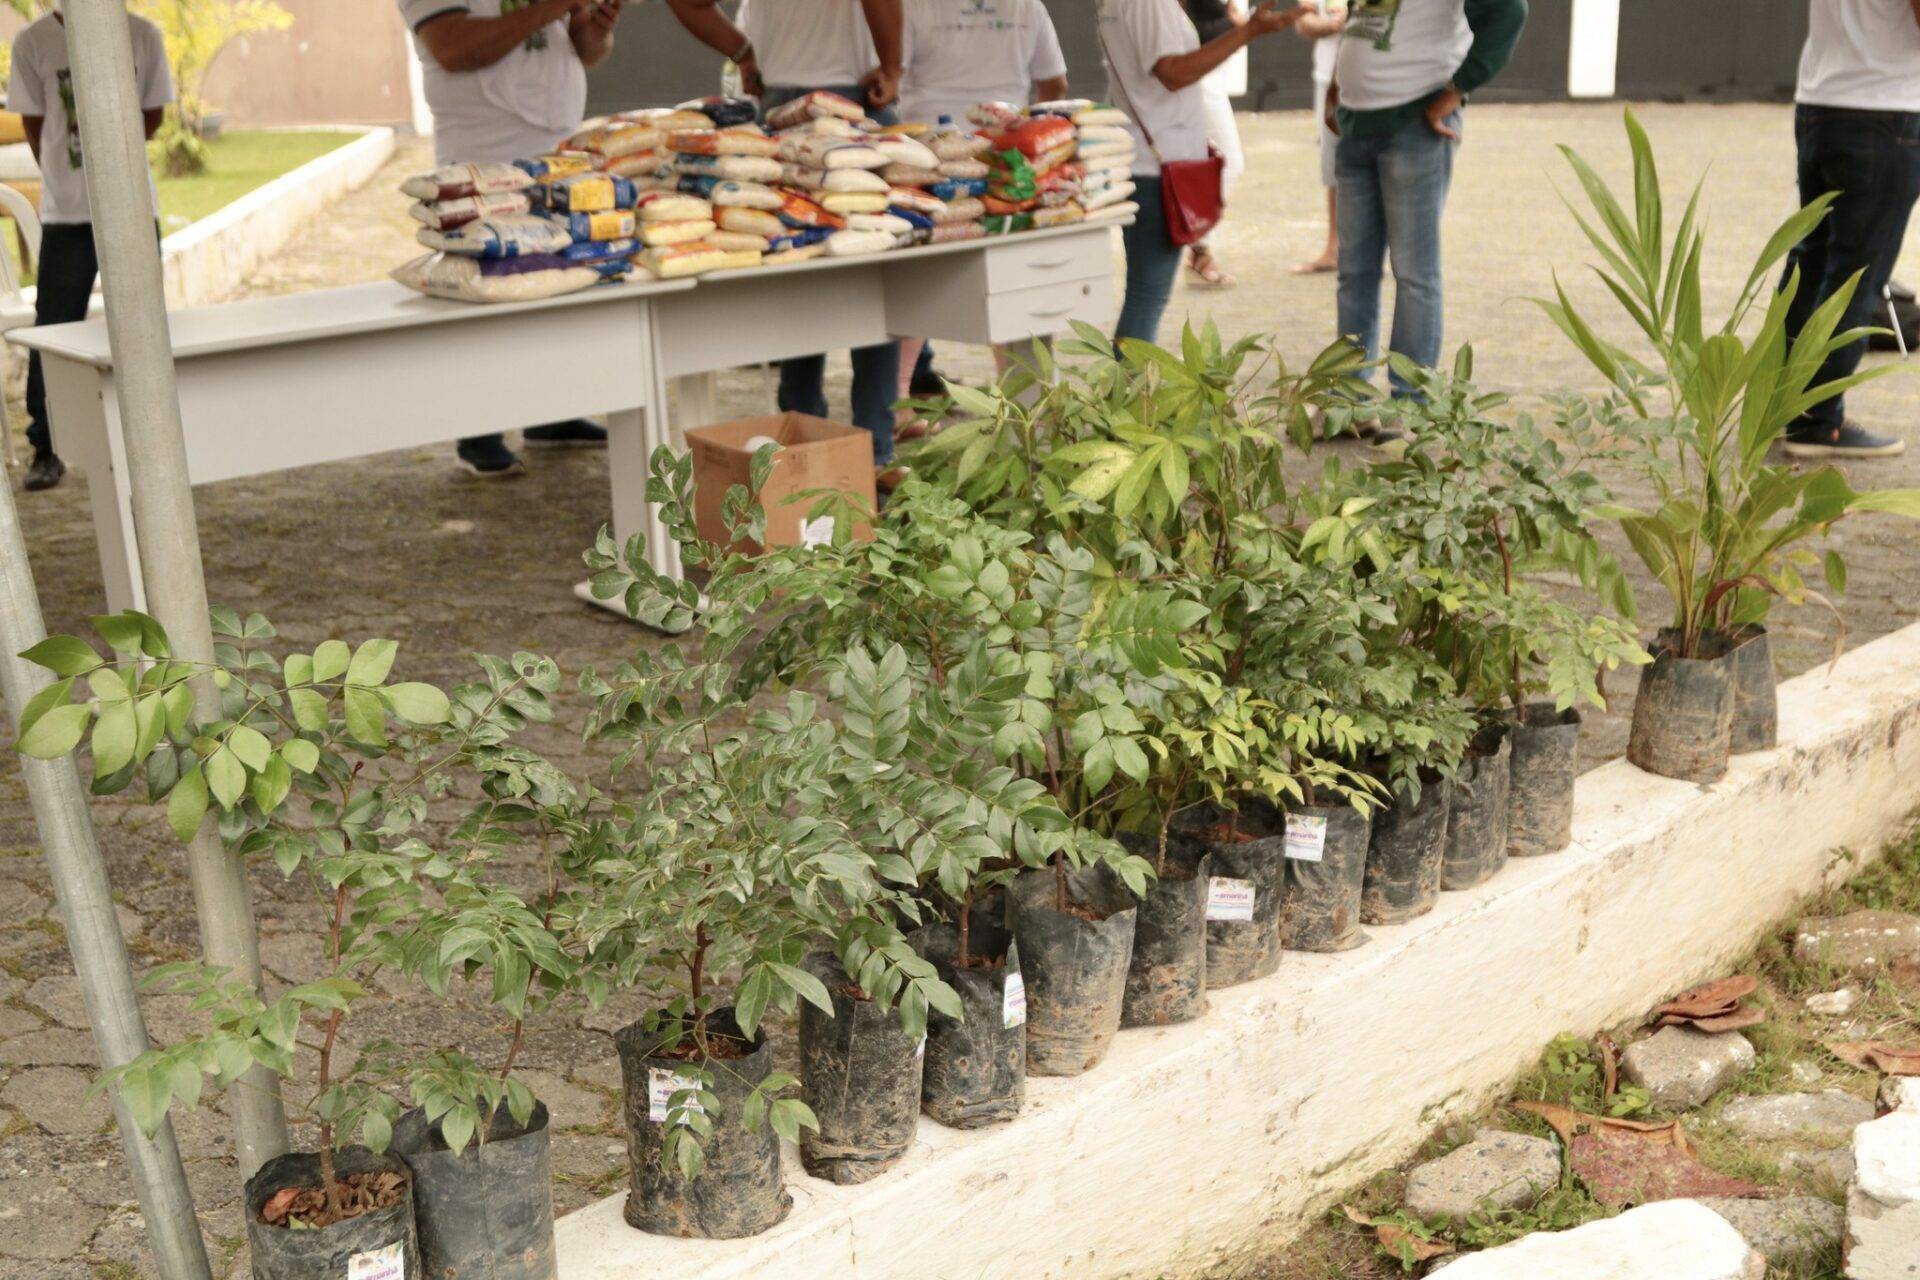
815	454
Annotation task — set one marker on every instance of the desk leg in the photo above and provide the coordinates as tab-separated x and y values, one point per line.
662	552
699	396
110	494
632	436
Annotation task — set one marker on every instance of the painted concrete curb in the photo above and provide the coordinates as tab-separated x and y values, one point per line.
1190	1145
207	261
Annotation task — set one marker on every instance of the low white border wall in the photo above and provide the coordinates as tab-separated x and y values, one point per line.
1191	1144
206	261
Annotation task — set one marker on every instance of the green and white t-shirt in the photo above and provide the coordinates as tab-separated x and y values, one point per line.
520	106
1398	51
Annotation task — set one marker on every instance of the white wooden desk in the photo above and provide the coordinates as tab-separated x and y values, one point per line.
283	382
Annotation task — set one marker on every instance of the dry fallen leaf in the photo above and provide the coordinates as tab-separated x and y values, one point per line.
274	1211
1627	1162
1740	1019
1398	1241
1878	1055
1709	998
1610	1064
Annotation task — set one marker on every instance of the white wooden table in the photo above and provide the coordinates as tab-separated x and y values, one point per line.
274	383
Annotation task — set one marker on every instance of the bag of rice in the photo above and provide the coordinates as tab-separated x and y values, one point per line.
1036	137
964	169
653	234
788	240
465	279
1107	164
618	138
951	143
853	180
965	209
1112	193
641	164
830	127
797	210
811	106
948	232
906	175
600	250
829	153
1114	212
900	149
667	119
951	189
1068	107
756	222
730	168
853	244
723	111
1093	149
1100	114
1058	216
457	181
794	253
737	241
589	193
802	177
993	115
915	199
997	207
671	262
744	195
608	224
845	202
1100	133
892	224
560	164
1001	224
444	215
499	237
666	207
743	141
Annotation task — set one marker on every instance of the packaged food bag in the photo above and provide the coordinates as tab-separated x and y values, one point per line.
1068	107
829	153
641	164
993	115
667	119
831	127
898	148
444	215
908	175
1006	224
1058	216
662	206
964	209
1114	212
866	180
1110	194
723	111
1035	137
468	279
913	198
559	164
797	210
515	237
737	242
618	138
950	142
671	262
730	168
456	181
853	244
594	251
973	167
744	195
664	233
743	141
757	222
891	223
948	232
589	193
793	253
846	202
951	189
608	224
813	105
996	207
1099	114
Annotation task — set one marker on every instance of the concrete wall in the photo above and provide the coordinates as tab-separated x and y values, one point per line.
341	62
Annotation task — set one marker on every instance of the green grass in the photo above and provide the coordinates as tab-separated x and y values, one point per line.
237	162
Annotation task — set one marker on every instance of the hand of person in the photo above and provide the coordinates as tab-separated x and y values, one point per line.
883	87
1332	116
752	83
596	17
1439	107
1270	17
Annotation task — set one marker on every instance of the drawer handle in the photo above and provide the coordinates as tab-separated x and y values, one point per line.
1049	264
1054	314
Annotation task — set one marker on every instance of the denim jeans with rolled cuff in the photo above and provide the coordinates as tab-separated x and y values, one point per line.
1153	263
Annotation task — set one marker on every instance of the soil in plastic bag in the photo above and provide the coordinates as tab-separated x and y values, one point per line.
1167	980
486	1213
1405	851
1321	908
739	1192
1248	878
1540	788
976	1068
1683	717
861	1076
1477	823
380	1234
1756	700
1074	963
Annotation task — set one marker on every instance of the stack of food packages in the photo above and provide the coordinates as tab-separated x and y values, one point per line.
702	187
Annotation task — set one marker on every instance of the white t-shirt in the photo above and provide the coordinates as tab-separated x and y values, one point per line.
42	85
1397	51
520	106
1137	34
1863	54
1326	50
959	52
810	44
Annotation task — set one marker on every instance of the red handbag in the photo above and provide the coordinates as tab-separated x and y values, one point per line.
1192	192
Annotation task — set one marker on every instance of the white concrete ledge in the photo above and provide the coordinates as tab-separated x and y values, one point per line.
1190	1145
206	261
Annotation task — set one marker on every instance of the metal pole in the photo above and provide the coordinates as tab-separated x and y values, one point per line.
114	145
93	931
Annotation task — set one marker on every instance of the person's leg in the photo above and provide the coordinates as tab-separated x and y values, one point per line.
912	352
67	270
1807	261
1873	159
1329	149
1363	243
803	386
1153	260
876	377
1223	131
1416	170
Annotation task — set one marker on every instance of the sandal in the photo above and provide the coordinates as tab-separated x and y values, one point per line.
1206	272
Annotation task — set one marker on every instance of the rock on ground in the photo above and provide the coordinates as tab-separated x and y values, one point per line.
1672	1240
1498	1169
1830	1115
1681	1067
1797	1232
1834	1004
1865	942
1883	1205
1836	1164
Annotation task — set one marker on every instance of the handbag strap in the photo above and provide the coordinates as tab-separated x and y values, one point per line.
1139	120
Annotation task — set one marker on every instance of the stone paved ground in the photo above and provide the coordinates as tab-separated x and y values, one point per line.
402	546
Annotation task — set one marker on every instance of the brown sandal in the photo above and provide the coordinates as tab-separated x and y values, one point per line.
1207	272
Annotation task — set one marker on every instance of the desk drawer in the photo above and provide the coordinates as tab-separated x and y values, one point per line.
1049	308
1012	264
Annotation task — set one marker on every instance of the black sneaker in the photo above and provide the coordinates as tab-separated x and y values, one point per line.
1848	440
575	433
931	385
44	472
489	458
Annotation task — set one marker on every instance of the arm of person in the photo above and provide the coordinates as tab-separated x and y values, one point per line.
1047	64
459	41
1054	88
1318	24
708	23
591	30
149	120
26	96
1915	5
1182	70
31	126
885	21
1496	30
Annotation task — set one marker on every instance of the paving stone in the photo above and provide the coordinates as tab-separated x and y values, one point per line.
55	1046
1672	1240
1835	1165
58	996
55	1098
602	1071
568	1105
1504	1170
1834	1004
1828	1115
1681	1067
1865	942
38	1219
1883	1205
23	902
296	957
17	1022
1799	1232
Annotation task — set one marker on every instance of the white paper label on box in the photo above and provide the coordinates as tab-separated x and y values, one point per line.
817	532
1306	837
1229	900
1013	1004
389	1263
661	1086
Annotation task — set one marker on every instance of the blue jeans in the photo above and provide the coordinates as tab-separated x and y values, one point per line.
1873	159
876	369
1153	261
1392	191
